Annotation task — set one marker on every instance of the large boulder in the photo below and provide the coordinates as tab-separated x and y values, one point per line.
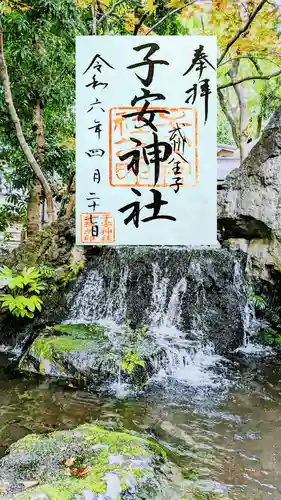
93	355
249	204
87	463
94	463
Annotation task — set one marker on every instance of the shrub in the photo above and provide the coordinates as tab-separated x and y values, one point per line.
24	289
71	272
270	337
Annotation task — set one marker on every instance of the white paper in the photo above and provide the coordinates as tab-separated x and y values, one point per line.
181	171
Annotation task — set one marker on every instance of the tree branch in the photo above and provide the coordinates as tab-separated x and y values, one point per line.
94	14
228	116
243	122
260	115
4	77
240	32
249	78
170	14
258	57
138	25
108	12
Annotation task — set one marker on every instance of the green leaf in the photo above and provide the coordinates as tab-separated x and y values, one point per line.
124	365
131	367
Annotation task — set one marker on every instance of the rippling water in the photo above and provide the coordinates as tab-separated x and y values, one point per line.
230	435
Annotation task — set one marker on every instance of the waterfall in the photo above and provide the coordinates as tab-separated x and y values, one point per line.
187	360
99	301
115	309
247	311
159	296
173	314
193	301
89	304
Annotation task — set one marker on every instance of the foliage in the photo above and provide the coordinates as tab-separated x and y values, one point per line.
71	272
39	43
13	211
256	52
130	362
46	271
258	302
269	337
224	133
25	288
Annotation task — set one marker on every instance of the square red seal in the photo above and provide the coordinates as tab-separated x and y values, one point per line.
97	228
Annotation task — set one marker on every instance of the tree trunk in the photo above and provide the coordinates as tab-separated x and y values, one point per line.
35	194
33	208
71	202
243	118
224	104
94	16
4	76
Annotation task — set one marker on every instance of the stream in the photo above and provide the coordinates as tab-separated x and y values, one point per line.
225	424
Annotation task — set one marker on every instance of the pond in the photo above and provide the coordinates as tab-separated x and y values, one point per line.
226	428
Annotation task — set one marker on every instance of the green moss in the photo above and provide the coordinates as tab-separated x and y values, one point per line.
46	347
72	338
81	330
25	443
40	450
68	486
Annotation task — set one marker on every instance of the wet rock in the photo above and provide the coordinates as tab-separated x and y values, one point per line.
43	458
249	205
200	292
54	247
92	355
55	241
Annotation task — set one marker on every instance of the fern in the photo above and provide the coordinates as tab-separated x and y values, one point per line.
258	302
46	271
72	272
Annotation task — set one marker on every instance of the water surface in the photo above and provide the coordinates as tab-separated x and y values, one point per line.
228	433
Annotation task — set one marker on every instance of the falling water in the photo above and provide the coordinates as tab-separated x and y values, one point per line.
247	311
97	301
179	296
116	300
173	314
90	303
187	359
159	296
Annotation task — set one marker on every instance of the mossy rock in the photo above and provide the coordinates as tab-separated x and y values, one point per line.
90	355
86	463
74	352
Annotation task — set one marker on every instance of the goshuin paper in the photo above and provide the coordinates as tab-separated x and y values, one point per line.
146	166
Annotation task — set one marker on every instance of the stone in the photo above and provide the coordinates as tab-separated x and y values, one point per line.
249	205
201	292
238	244
54	247
90	354
42	458
56	240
